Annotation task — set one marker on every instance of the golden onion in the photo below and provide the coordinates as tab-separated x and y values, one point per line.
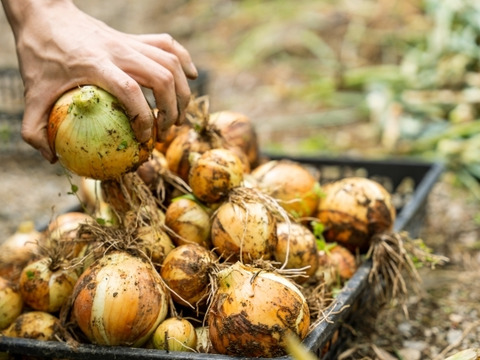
11	303
119	300
38	325
175	334
253	311
91	134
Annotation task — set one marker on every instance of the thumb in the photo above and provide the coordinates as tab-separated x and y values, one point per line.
34	132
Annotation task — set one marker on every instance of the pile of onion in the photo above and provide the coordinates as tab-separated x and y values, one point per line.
353	210
90	132
253	312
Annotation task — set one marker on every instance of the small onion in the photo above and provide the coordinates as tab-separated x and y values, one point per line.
214	173
119	300
294	186
44	287
64	229
300	245
186	271
353	210
175	334
244	229
237	129
11	303
155	242
91	134
338	260
38	325
188	222
253	311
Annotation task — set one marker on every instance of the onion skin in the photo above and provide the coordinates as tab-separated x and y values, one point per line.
46	289
244	231
301	245
339	259
189	222
91	134
353	210
291	184
214	174
64	228
11	303
175	334
253	311
120	300
186	270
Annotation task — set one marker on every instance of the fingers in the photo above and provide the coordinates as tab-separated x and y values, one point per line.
167	43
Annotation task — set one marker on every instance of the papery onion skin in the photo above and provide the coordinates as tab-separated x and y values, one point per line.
298	243
120	300
38	325
214	173
186	271
244	231
11	303
44	289
175	334
253	311
91	134
295	188
353	210
188	222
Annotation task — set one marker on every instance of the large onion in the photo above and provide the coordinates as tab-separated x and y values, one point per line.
294	186
120	300
91	134
44	286
244	228
254	311
353	209
186	271
297	247
11	303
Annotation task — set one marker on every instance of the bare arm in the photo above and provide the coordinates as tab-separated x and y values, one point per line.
60	47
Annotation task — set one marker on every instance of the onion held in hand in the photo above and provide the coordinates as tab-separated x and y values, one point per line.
253	312
91	134
120	300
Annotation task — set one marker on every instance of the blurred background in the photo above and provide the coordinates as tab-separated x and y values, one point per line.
350	78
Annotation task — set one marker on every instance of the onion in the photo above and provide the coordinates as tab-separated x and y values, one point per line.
119	300
292	184
353	210
11	303
155	242
237	129
188	222
46	287
91	134
339	259
300	245
254	311
204	345
186	271
214	174
244	228
38	325
175	334
18	249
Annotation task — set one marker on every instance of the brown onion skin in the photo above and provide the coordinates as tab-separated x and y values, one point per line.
302	248
296	188
237	130
128	305
189	222
186	270
214	174
253	311
245	232
353	210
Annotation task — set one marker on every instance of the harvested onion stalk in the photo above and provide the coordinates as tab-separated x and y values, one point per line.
120	300
91	134
253	311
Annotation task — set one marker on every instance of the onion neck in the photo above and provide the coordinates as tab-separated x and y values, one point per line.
86	98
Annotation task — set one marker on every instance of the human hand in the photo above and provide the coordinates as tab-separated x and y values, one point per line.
59	47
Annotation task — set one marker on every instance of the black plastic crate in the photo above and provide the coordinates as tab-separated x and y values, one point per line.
418	179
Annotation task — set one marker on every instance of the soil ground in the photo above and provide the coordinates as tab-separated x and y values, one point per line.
440	320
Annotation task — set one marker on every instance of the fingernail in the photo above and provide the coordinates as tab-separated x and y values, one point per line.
145	135
47	155
192	70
